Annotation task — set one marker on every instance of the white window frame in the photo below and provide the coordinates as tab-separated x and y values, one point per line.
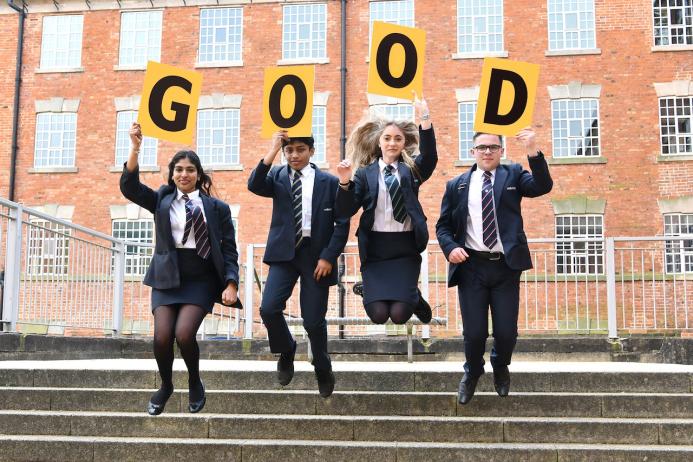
557	19
466	143
475	11
684	141
64	41
312	48
136	257
679	253
148	149
663	32
231	49
583	258
394	111
230	147
48	248
567	142
151	53
395	6
46	129
319	137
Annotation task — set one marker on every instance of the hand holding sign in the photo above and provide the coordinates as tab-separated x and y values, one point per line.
396	61
287	102
506	96
168	108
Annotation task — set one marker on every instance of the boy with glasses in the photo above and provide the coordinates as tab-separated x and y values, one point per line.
481	233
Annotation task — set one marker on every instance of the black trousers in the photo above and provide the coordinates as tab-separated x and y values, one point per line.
280	284
485	283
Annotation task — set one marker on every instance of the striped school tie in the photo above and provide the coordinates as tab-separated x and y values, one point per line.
488	212
297	192
194	220
392	184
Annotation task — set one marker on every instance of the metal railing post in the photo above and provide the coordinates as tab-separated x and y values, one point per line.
118	287
425	274
10	301
611	288
249	291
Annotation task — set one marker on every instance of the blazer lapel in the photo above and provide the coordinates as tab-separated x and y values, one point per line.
319	188
372	177
285	180
463	189
211	216
499	185
165	207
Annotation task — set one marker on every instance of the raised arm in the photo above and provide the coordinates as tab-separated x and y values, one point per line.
427	160
259	182
130	184
538	182
350	193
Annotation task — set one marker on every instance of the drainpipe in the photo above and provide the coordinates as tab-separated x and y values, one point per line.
17	82
342	152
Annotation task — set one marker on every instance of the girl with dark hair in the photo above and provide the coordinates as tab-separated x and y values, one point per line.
195	263
392	229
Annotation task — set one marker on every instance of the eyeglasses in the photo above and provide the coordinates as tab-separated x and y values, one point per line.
494	148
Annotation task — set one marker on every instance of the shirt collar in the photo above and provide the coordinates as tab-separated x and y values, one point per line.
382	164
191	195
305	171
480	172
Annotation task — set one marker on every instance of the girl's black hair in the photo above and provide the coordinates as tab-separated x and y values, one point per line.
204	182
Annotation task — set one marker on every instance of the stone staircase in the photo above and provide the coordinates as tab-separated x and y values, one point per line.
94	411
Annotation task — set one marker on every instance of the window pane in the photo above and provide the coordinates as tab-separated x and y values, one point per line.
574	257
675	121
218	136
221	35
479	26
571	24
55	139
140	38
304	31
575	127
136	257
61	42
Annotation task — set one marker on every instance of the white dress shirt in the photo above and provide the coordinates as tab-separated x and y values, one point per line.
384	218
475	228
178	218
307	182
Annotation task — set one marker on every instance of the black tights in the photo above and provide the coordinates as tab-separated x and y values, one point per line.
179	324
379	311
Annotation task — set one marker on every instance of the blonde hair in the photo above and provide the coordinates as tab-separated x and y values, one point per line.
363	145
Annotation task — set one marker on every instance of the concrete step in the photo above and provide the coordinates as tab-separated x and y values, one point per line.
425	377
76	448
617	405
352	428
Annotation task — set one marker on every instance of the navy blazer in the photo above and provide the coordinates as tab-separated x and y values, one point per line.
511	184
328	235
163	272
363	192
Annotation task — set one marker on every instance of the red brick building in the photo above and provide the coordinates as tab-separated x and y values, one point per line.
613	113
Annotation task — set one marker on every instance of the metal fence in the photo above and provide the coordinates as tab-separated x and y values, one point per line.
58	277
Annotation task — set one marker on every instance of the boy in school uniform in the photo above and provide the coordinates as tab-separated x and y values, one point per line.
305	240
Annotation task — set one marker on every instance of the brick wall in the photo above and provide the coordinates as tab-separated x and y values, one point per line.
631	181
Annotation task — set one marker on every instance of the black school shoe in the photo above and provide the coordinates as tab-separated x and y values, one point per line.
422	310
358	288
325	379
285	367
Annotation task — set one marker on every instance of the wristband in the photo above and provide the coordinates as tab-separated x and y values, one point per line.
426	116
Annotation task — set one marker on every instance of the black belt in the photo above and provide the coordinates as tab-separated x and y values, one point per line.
492	256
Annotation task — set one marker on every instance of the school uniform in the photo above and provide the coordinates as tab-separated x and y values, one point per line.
390	248
498	252
177	273
295	243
